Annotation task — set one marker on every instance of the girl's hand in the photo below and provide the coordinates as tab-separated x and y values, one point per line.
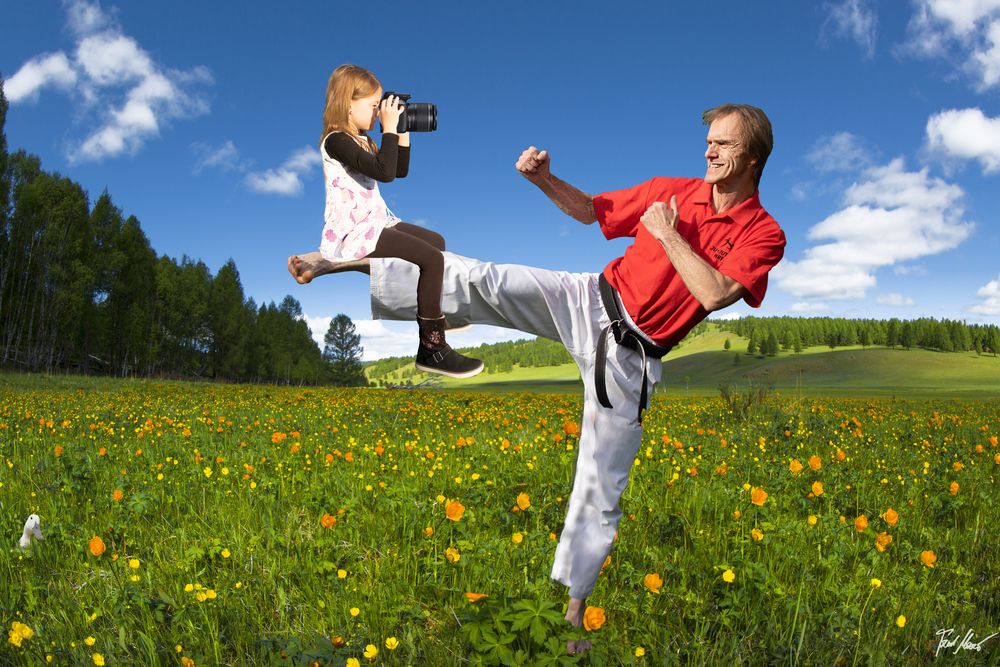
389	111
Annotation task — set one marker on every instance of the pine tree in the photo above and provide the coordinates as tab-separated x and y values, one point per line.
343	352
726	345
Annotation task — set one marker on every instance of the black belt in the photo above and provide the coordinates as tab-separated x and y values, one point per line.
624	335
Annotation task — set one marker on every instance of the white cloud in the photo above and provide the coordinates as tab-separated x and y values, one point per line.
286	180
728	316
841	152
225	157
855	20
808	307
890	216
966	134
968	30
990	293
39	72
910	270
112	77
894	299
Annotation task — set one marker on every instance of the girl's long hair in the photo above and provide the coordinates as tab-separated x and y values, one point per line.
347	83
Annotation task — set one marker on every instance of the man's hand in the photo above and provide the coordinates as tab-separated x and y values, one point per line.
533	164
660	220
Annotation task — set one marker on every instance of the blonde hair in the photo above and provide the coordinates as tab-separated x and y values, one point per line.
756	131
347	83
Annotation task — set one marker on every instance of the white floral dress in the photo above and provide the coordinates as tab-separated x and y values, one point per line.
355	212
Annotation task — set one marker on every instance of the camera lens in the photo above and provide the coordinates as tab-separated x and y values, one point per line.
421	117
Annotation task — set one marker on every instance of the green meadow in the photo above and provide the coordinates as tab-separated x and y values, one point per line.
212	524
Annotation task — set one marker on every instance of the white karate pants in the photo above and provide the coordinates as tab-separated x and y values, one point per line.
565	307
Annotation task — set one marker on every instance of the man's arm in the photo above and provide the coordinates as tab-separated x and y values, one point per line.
712	289
534	165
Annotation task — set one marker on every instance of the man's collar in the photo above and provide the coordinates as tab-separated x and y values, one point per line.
704	196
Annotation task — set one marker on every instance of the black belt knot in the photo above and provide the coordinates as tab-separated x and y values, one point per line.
626	336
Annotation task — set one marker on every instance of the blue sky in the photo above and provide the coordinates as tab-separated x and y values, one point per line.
202	120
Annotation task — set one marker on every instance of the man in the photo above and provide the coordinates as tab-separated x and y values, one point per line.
700	245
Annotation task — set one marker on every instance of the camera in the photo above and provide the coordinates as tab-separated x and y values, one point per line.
417	117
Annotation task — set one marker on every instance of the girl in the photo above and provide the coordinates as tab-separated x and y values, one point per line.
358	222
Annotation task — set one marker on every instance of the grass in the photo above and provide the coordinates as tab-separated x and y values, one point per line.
297	507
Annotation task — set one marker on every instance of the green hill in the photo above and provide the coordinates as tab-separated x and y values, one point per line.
700	365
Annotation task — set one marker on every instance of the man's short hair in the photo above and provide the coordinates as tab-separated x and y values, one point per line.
756	131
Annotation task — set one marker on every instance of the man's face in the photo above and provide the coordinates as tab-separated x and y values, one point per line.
726	155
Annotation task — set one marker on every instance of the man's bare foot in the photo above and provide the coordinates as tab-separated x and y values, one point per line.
304	268
574	614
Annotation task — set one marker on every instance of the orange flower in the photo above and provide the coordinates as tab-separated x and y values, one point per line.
861	523
523	501
475	597
593	618
96	546
815	462
757	534
882	540
840	454
338	641
454	510
891	516
817	488
953	488
928	558
795	467
653	582
117	495
758	496
957	466
349	457
571	428
277	437
327	521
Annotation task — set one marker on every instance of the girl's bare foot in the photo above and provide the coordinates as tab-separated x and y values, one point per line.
312	265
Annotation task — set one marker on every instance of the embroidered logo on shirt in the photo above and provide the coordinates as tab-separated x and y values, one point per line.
720	253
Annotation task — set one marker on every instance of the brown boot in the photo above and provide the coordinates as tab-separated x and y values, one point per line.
435	355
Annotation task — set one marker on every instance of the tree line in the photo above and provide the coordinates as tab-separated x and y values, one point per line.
81	289
767	334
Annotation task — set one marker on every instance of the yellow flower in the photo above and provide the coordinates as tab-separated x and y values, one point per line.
523	501
891	517
757	534
861	523
452	554
882	540
89	641
392	643
428	531
795	467
928	558
207	471
900	620
736	515
729	576
371	651
653	582
475	597
133	563
355	611
639	651
342	574
98	659
188	588
353	662
517	538
593	618
811	520
19	632
817	488
225	553
758	496
876	583
953	488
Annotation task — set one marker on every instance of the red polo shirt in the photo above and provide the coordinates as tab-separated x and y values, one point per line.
743	243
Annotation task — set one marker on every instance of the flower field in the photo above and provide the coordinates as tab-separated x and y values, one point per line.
205	524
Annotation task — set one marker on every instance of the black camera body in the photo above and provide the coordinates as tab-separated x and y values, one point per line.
417	117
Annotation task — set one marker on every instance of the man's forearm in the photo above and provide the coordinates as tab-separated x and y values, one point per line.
712	289
571	201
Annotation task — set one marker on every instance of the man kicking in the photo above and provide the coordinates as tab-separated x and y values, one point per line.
700	245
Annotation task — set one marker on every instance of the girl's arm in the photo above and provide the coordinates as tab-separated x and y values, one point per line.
383	167
403	161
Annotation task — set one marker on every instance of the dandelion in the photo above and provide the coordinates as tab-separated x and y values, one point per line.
876	583
811	520
729	576
653	582
133	563
900	621
639	651
891	517
98	659
928	558
861	523
96	546
817	489
342	574
371	652
593	618
454	510
523	501
354	612
758	496
392	643
475	597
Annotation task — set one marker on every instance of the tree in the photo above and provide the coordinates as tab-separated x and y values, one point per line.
229	322
726	345
343	352
752	343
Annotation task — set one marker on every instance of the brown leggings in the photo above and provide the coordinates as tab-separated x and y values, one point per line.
421	247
